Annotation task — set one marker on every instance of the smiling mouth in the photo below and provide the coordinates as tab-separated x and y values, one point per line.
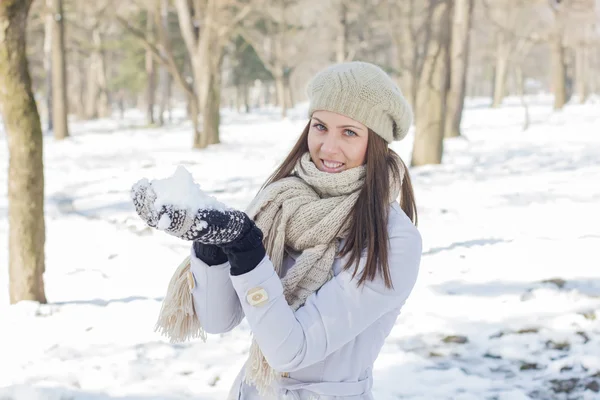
332	165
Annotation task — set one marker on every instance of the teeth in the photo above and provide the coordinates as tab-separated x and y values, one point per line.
330	164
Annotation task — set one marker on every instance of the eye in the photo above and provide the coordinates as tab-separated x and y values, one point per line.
350	133
320	127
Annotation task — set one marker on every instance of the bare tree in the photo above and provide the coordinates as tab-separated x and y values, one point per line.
557	52
163	53
150	70
404	24
354	18
430	110
59	74
48	25
92	27
579	32
341	43
274	35
514	23
25	168
582	71
206	27
459	59
503	47
164	78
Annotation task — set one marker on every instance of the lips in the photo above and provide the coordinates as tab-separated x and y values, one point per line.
332	166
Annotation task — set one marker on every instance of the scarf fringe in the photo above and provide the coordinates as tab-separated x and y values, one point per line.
259	373
177	319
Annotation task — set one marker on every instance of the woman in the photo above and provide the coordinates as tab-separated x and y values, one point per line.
323	259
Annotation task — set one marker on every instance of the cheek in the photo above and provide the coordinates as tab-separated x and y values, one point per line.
357	153
313	143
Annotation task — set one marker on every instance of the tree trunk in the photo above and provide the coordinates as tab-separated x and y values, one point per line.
121	103
164	76
168	101
289	96
212	107
165	94
341	43
239	97
211	115
581	72
501	70
25	167
280	91
194	112
594	64
401	17
459	61
91	86
150	74
103	103
205	60
415	58
559	72
80	104
59	74
431	95
246	98
520	82
199	59
202	80
48	23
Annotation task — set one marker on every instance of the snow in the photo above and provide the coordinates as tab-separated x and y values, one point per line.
507	305
181	191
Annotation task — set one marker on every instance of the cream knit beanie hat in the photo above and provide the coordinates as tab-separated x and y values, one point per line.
365	93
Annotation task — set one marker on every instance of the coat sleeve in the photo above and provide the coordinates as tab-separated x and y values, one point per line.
331	317
216	302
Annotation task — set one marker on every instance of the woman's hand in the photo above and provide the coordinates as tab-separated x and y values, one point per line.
207	226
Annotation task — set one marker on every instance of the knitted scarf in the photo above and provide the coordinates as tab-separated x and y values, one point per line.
304	212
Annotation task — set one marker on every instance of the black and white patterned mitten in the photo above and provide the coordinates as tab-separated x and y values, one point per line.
231	230
205	225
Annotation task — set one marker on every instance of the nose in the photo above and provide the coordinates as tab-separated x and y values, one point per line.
330	144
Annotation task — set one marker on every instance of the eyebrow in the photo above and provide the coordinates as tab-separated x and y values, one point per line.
341	126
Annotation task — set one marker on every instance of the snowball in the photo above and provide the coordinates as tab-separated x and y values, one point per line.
180	191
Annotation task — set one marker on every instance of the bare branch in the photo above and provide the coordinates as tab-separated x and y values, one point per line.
156	53
186	25
228	29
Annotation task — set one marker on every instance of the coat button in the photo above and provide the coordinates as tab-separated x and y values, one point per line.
257	297
285	374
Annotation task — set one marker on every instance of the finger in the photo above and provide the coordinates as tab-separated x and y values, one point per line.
148	209
144	202
139	197
139	192
140	186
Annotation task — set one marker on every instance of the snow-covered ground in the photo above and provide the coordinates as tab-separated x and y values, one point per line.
507	306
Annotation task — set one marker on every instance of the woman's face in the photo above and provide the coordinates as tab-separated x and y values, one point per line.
336	142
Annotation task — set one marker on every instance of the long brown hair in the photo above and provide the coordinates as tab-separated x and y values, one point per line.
369	218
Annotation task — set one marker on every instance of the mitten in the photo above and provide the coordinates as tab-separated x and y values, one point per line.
210	254
243	254
231	230
208	226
